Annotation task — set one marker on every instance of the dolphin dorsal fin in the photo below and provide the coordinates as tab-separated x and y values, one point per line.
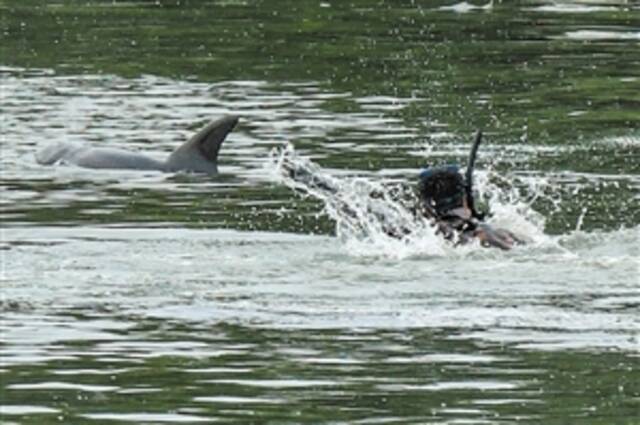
208	140
200	153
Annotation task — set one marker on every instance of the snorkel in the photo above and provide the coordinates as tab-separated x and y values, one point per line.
468	177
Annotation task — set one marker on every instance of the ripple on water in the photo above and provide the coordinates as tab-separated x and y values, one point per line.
19	410
238	400
276	383
601	35
148	417
573	7
65	386
242	322
123	302
588	290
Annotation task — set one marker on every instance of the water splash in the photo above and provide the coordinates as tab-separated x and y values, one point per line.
375	218
370	217
510	201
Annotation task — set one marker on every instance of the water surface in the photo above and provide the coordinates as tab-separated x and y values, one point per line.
133	297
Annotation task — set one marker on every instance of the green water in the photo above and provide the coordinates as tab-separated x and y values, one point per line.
147	298
502	70
521	73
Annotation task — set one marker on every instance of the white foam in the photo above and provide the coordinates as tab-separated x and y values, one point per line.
362	220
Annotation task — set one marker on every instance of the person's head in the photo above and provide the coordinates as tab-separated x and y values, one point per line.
442	188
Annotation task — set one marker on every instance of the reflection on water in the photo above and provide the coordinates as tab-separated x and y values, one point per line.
602	35
192	372
197	325
133	297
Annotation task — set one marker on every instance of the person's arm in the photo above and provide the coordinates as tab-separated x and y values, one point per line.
498	238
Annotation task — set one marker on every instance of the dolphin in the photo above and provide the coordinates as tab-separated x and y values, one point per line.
199	154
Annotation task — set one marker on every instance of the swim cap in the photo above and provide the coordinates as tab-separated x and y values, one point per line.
442	187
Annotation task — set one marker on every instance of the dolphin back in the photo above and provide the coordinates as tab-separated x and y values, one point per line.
89	157
199	154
